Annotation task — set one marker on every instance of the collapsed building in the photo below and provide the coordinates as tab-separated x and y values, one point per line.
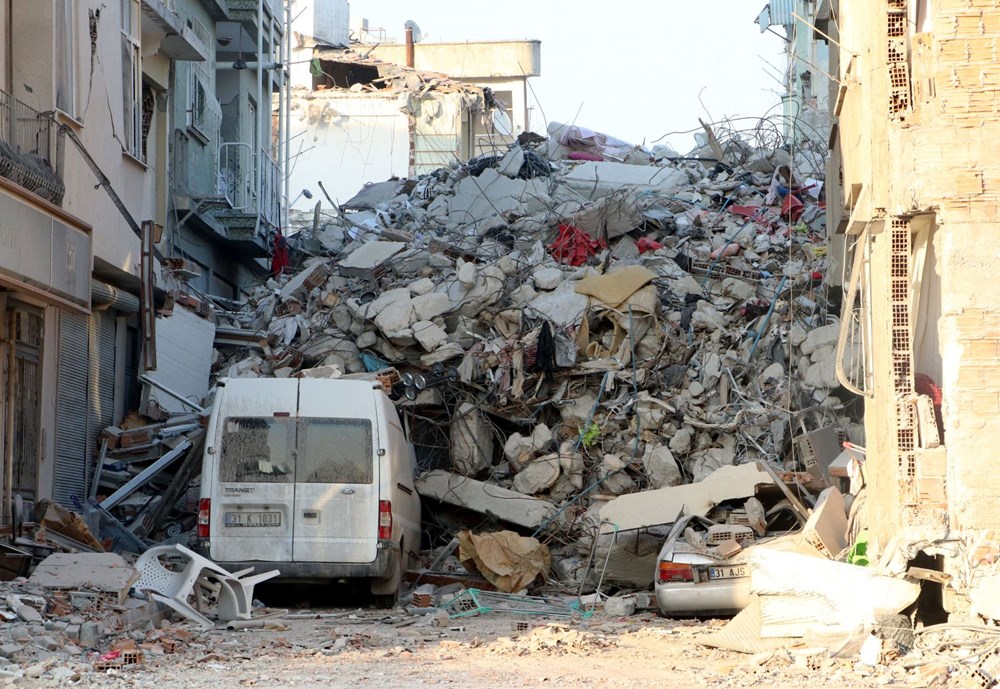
571	320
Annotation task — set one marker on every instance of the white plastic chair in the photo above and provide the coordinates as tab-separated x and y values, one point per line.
233	590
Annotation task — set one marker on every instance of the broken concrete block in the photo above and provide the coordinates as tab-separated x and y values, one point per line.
364	260
373	308
91	634
395	317
541	436
825	336
619	606
429	335
537	475
680	443
547	278
506	505
466	273
22	609
518	450
615	480
471	441
421	286
304	282
430	306
661	468
773	372
10	650
446	352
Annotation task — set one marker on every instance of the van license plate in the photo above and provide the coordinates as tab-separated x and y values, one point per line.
728	572
253	518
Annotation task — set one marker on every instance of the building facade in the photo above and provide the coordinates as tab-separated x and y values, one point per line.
914	190
113	133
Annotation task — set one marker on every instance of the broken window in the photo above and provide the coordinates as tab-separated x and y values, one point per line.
335	451
131	78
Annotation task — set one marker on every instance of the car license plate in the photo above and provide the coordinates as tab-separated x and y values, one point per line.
253	519
728	572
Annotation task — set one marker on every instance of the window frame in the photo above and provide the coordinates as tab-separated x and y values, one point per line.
131	32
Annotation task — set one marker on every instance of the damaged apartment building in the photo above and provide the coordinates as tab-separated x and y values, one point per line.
370	108
133	160
914	186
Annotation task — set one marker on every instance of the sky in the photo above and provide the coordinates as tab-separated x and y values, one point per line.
633	69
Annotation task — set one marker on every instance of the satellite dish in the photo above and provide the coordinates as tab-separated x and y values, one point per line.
501	123
417	33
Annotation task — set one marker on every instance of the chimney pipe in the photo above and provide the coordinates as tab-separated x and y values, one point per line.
409	46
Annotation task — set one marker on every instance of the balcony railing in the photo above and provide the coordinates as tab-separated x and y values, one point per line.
27	145
238	171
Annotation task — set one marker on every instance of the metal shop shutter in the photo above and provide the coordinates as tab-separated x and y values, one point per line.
87	354
72	430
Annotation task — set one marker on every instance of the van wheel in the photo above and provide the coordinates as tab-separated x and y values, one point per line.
386	591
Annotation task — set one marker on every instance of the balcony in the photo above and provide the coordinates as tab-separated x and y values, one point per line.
183	40
27	147
251	183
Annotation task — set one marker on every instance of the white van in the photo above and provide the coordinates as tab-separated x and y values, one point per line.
313	477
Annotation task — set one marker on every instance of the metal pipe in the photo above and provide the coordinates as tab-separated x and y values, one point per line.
176	395
409	47
258	128
284	119
8	473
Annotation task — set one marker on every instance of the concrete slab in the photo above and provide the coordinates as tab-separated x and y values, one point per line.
368	257
103	572
594	180
507	505
665	505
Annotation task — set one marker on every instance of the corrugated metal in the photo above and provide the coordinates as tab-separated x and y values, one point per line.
781	12
103	346
87	351
73	449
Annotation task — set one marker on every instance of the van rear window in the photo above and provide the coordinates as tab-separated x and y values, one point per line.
260	449
335	451
257	450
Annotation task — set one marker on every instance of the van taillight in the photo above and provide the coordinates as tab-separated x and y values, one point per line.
384	519
672	571
204	514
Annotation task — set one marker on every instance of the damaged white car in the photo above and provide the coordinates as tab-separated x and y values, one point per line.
702	568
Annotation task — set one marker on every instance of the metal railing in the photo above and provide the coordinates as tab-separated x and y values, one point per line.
236	172
270	188
237	169
27	147
24	130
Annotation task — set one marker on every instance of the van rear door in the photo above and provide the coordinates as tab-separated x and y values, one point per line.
252	497
336	473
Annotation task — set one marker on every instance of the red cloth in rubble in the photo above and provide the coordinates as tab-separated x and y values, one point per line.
573	246
279	259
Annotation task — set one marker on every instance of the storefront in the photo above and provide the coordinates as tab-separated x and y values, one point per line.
45	264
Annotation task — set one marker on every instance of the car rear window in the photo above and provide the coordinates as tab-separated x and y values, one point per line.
257	450
335	451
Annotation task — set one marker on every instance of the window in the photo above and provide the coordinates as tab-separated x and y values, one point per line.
132	78
334	451
65	78
257	450
267	449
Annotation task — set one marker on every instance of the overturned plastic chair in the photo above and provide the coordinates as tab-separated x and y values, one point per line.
174	588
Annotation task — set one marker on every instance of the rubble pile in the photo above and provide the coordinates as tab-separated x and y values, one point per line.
570	320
